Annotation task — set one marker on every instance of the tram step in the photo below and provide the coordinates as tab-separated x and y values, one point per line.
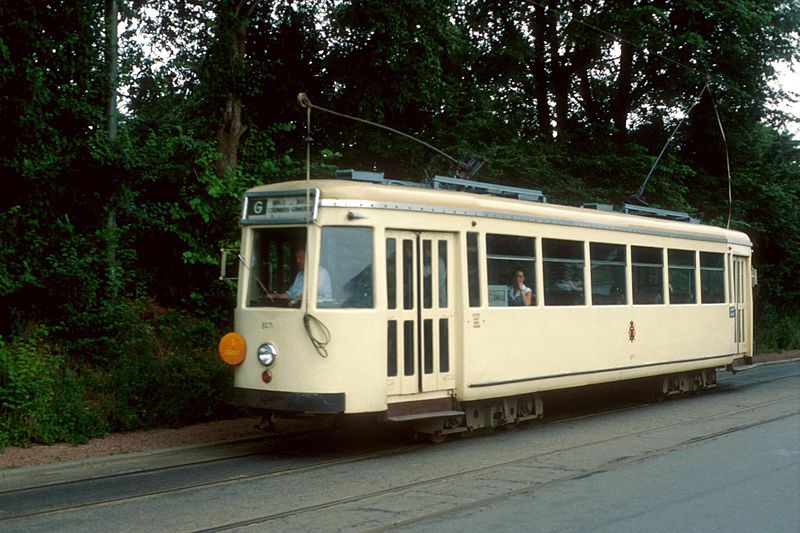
423	416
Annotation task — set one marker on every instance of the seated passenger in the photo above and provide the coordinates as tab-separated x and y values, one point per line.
519	294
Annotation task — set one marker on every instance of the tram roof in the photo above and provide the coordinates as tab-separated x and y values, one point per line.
472	204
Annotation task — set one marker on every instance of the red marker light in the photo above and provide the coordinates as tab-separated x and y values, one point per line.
266	376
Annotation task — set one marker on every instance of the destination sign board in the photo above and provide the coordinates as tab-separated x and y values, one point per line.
280	207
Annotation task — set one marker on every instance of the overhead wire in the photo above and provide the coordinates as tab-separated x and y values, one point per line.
304	101
638	194
727	159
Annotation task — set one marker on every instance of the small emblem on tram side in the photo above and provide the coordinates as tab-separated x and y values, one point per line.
632	332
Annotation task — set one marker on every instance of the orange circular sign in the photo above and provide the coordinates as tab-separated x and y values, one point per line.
232	348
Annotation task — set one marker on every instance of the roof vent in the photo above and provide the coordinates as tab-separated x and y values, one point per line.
458	184
598	207
372	177
679	216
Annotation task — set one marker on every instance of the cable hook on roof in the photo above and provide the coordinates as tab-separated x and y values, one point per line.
465	169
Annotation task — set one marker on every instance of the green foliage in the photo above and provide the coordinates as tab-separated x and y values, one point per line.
160	368
164	370
777	329
41	396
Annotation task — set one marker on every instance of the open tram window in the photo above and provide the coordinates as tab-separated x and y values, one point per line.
681	276
346	254
648	275
608	273
712	278
562	263
511	270
272	267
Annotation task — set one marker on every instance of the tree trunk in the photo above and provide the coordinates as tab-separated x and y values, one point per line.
113	68
540	73
560	77
621	104
231	128
112	243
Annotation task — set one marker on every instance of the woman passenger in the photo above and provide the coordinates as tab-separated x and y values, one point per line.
520	294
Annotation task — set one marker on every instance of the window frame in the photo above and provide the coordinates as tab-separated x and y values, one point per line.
638	297
498	290
623	263
674	267
574	285
705	272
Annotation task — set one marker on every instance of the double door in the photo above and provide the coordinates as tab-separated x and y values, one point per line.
420	320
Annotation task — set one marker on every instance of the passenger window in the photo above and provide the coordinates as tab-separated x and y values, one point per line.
563	263
648	275
473	273
511	270
608	273
346	257
712	278
681	276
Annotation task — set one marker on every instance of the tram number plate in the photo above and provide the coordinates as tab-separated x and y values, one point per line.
266	325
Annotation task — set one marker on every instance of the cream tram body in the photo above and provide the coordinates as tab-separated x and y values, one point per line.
430	338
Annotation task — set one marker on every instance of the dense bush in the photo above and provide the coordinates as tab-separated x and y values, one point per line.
42	399
777	330
161	370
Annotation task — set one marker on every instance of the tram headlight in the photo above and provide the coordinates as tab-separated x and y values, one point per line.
267	353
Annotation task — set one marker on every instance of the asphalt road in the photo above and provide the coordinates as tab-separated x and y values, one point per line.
728	460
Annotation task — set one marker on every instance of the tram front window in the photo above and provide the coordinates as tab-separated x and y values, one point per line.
273	267
278	260
346	254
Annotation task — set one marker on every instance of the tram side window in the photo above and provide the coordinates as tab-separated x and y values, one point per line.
510	270
563	262
608	273
648	275
272	267
681	276
346	254
473	273
712	278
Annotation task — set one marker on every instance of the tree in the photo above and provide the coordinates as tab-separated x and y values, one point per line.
53	89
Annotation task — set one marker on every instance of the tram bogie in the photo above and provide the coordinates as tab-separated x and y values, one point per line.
451	311
689	382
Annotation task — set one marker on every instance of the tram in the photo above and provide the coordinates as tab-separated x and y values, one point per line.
454	306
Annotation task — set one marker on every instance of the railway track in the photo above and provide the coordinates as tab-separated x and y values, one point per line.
298	455
87	492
